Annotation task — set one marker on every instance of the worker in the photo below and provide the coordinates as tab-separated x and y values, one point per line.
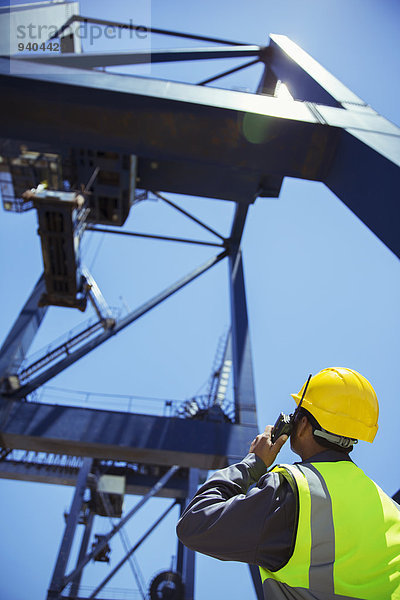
317	529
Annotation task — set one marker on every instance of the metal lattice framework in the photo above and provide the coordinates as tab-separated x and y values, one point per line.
188	139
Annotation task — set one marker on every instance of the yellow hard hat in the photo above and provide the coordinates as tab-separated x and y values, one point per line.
343	402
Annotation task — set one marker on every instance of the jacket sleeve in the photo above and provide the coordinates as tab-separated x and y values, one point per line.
229	521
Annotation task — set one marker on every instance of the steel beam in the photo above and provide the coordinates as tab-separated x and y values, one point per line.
244	392
180	547
366	163
161	119
82	552
229	72
56	584
152	236
110	332
305	77
210	131
103	59
121	436
23	331
137	483
188	556
141	29
206	180
268	82
245	404
190	216
204	135
367	188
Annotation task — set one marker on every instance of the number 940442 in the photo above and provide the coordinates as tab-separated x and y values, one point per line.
35	47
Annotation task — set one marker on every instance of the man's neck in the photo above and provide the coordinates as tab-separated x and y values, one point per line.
311	449
328	455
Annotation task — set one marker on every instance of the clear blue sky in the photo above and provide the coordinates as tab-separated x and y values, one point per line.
322	289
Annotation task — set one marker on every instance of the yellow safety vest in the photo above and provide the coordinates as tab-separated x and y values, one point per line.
347	542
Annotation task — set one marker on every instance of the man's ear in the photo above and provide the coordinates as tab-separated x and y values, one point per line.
302	426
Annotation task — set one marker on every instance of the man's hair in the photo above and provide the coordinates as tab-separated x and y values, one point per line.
302	412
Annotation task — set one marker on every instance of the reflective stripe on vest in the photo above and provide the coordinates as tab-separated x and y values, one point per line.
348	537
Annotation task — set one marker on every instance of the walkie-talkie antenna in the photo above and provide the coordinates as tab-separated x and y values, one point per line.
304	392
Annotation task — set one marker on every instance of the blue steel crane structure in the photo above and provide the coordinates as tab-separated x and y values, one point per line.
195	140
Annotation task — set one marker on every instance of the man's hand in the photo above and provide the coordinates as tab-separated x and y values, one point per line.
264	448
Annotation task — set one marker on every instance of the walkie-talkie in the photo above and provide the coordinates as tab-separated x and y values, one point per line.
284	423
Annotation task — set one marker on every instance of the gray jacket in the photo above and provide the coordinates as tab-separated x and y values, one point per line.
229	519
